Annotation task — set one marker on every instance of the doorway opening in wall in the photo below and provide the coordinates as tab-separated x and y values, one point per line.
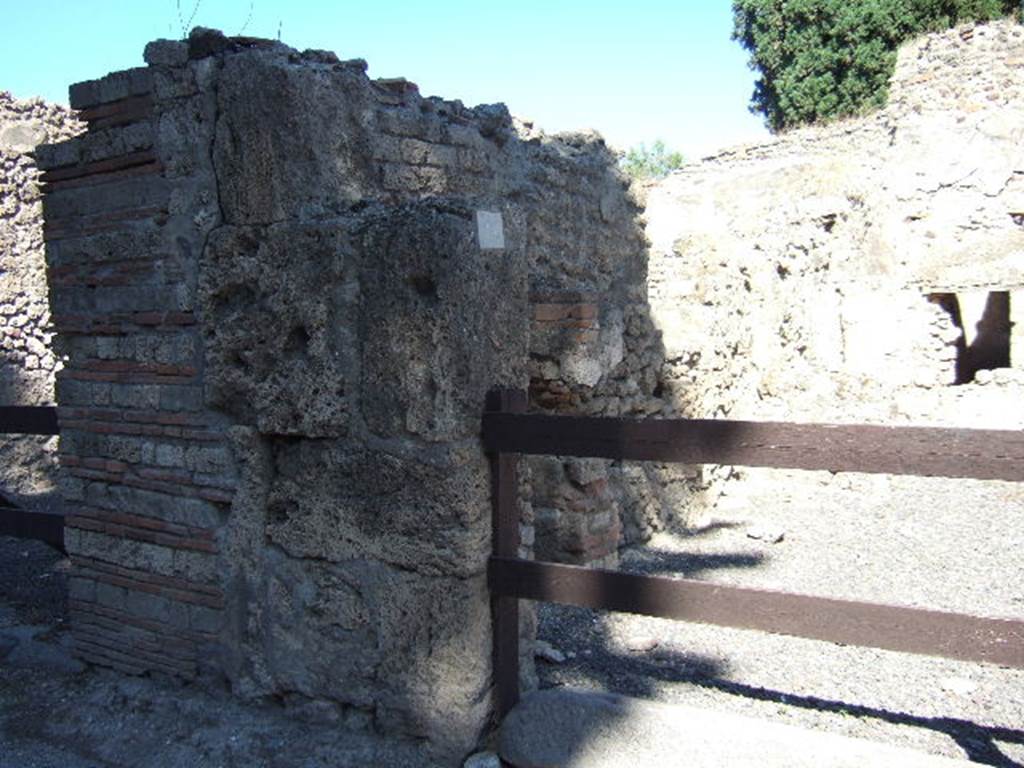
983	318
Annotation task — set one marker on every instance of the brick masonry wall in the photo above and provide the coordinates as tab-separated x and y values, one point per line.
276	370
147	479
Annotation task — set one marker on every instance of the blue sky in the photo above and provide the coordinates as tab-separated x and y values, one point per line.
635	71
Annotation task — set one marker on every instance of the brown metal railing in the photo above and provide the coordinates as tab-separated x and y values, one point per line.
929	452
14	521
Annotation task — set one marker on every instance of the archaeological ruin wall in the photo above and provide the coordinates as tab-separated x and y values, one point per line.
28	465
283	290
865	271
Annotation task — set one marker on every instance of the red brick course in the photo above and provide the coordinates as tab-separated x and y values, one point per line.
89	564
122	322
178	589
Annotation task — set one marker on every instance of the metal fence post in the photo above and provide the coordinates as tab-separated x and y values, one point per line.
505	532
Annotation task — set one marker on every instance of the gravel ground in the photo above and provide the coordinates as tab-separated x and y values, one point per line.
951	545
33	584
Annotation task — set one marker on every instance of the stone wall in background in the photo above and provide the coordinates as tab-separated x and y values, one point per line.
27	359
865	271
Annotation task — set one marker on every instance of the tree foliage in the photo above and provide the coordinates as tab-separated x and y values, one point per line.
654	162
821	59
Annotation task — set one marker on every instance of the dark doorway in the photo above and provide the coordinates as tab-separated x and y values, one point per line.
984	342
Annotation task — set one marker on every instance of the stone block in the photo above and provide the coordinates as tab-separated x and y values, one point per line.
316	112
418	152
176	83
424	278
181	398
49	156
203	458
414	180
147	606
113	87
142	396
166	53
170	455
413	123
84	94
163	506
422	513
281	308
130	554
110	596
82	589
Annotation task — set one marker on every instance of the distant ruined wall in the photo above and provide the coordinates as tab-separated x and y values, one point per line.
283	299
855	272
27	360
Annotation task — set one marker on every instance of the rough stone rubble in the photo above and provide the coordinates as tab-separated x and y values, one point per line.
27	357
861	271
802	277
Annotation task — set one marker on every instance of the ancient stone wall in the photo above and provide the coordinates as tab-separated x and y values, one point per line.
858	271
27	359
284	290
594	350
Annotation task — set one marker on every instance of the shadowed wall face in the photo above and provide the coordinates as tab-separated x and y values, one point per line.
284	290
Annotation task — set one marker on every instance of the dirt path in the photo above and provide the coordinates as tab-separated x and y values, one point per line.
952	545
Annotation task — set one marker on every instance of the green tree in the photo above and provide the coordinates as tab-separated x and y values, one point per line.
821	59
654	162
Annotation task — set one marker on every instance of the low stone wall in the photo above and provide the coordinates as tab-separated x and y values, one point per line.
27	358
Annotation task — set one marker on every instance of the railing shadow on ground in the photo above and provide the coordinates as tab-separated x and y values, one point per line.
978	741
628	673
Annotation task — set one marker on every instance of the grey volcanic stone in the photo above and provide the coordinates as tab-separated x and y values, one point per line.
281	344
425	279
314	116
167	53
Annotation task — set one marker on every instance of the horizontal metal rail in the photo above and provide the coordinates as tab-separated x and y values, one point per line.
28	420
922	451
850	622
985	454
47	527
